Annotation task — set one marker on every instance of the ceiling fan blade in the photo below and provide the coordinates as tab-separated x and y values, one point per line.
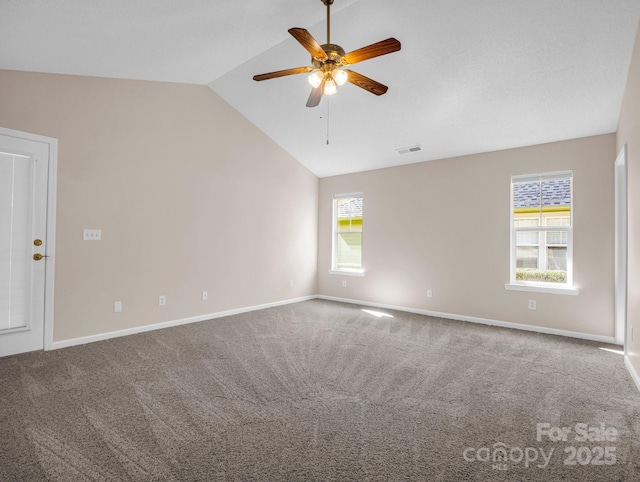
377	49
282	73
308	42
365	83
315	96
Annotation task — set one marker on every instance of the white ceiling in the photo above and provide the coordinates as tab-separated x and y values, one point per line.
472	76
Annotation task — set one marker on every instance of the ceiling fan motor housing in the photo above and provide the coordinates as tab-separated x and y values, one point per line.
334	52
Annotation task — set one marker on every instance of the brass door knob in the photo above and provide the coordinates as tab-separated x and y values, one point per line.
37	242
39	256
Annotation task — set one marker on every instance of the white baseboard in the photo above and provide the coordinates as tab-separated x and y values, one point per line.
167	324
473	319
505	324
632	371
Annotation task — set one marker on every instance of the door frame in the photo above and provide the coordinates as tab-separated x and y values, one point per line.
52	183
620	270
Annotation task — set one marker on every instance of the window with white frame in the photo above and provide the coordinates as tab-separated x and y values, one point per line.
541	229
347	233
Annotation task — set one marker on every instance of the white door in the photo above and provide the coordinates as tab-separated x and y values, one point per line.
24	173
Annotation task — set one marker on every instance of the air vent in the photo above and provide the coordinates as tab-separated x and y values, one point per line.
407	150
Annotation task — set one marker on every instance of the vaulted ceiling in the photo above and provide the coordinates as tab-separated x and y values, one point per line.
471	76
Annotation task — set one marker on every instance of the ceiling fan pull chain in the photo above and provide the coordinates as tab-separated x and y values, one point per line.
328	103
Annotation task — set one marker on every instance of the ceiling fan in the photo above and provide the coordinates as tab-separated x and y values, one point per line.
328	62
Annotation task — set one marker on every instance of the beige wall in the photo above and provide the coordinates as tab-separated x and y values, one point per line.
629	134
444	225
189	195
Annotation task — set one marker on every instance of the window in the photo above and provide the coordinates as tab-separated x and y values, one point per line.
541	230
347	233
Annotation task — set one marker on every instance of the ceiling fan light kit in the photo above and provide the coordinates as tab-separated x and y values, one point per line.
340	76
328	62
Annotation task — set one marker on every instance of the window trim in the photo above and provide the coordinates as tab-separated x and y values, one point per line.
334	269
348	272
534	287
540	286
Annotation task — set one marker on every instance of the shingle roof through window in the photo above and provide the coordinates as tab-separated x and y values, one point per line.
351	208
555	192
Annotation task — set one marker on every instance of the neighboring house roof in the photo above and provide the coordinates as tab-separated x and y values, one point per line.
555	192
350	208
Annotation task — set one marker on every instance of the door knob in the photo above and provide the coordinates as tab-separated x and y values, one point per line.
37	242
39	256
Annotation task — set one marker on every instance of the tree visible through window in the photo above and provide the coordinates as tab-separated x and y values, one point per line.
541	233
347	228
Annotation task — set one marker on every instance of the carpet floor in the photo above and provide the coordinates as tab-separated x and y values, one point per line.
321	391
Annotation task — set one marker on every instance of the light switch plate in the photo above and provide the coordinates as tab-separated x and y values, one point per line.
92	235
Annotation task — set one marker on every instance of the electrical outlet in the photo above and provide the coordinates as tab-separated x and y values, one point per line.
532	304
205	295
291	284
429	294
344	283
162	300
117	306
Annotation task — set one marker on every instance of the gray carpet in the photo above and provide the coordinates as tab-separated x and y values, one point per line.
318	391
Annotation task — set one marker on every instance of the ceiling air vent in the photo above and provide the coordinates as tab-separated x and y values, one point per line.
407	150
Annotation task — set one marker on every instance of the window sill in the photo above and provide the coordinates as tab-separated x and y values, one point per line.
542	288
347	272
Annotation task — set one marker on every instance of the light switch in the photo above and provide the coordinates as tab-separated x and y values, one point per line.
92	234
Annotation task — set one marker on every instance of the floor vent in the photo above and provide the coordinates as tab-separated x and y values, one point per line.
407	150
